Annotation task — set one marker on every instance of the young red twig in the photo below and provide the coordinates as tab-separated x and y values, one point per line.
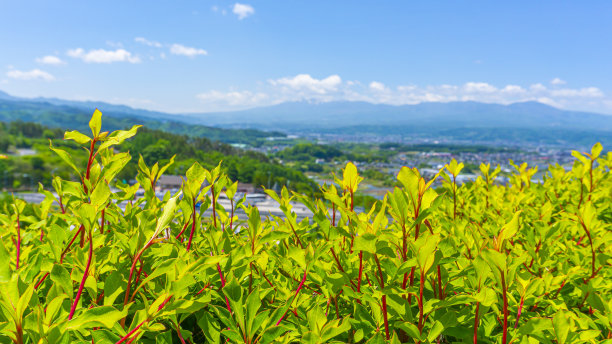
127	336
193	224
384	297
85	274
297	291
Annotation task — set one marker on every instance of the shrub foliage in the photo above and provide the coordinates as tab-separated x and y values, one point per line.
526	262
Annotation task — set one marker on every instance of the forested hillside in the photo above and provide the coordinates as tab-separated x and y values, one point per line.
75	118
30	160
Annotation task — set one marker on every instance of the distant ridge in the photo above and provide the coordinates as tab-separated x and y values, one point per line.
521	123
447	115
68	115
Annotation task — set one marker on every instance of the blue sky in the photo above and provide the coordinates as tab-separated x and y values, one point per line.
198	56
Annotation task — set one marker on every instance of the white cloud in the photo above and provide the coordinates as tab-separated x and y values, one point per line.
50	60
34	74
587	92
513	89
146	42
479	87
178	49
233	98
537	88
103	56
408	88
304	87
243	10
547	101
378	86
557	81
305	82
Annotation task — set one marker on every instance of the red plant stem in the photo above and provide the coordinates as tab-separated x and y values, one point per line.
559	290
336	259
183	230
138	276
202	290
336	306
421	308
296	235
227	304
418	225
411	283
263	273
588	233
178	331
127	336
61	257
89	162
504	290
429	226
19	334
129	282
518	315
214	205
85	274
440	292
102	223
294	296
584	299
193	224
416	237
82	241
476	323
61	204
384	297
360	271
18	241
333	215
342	269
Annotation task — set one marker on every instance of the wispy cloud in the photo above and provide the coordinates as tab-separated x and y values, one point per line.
243	10
305	82
103	56
557	81
179	49
233	98
50	60
378	86
147	42
333	88
479	87
34	74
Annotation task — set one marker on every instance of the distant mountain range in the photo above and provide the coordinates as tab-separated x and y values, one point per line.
445	115
523	123
67	114
526	123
